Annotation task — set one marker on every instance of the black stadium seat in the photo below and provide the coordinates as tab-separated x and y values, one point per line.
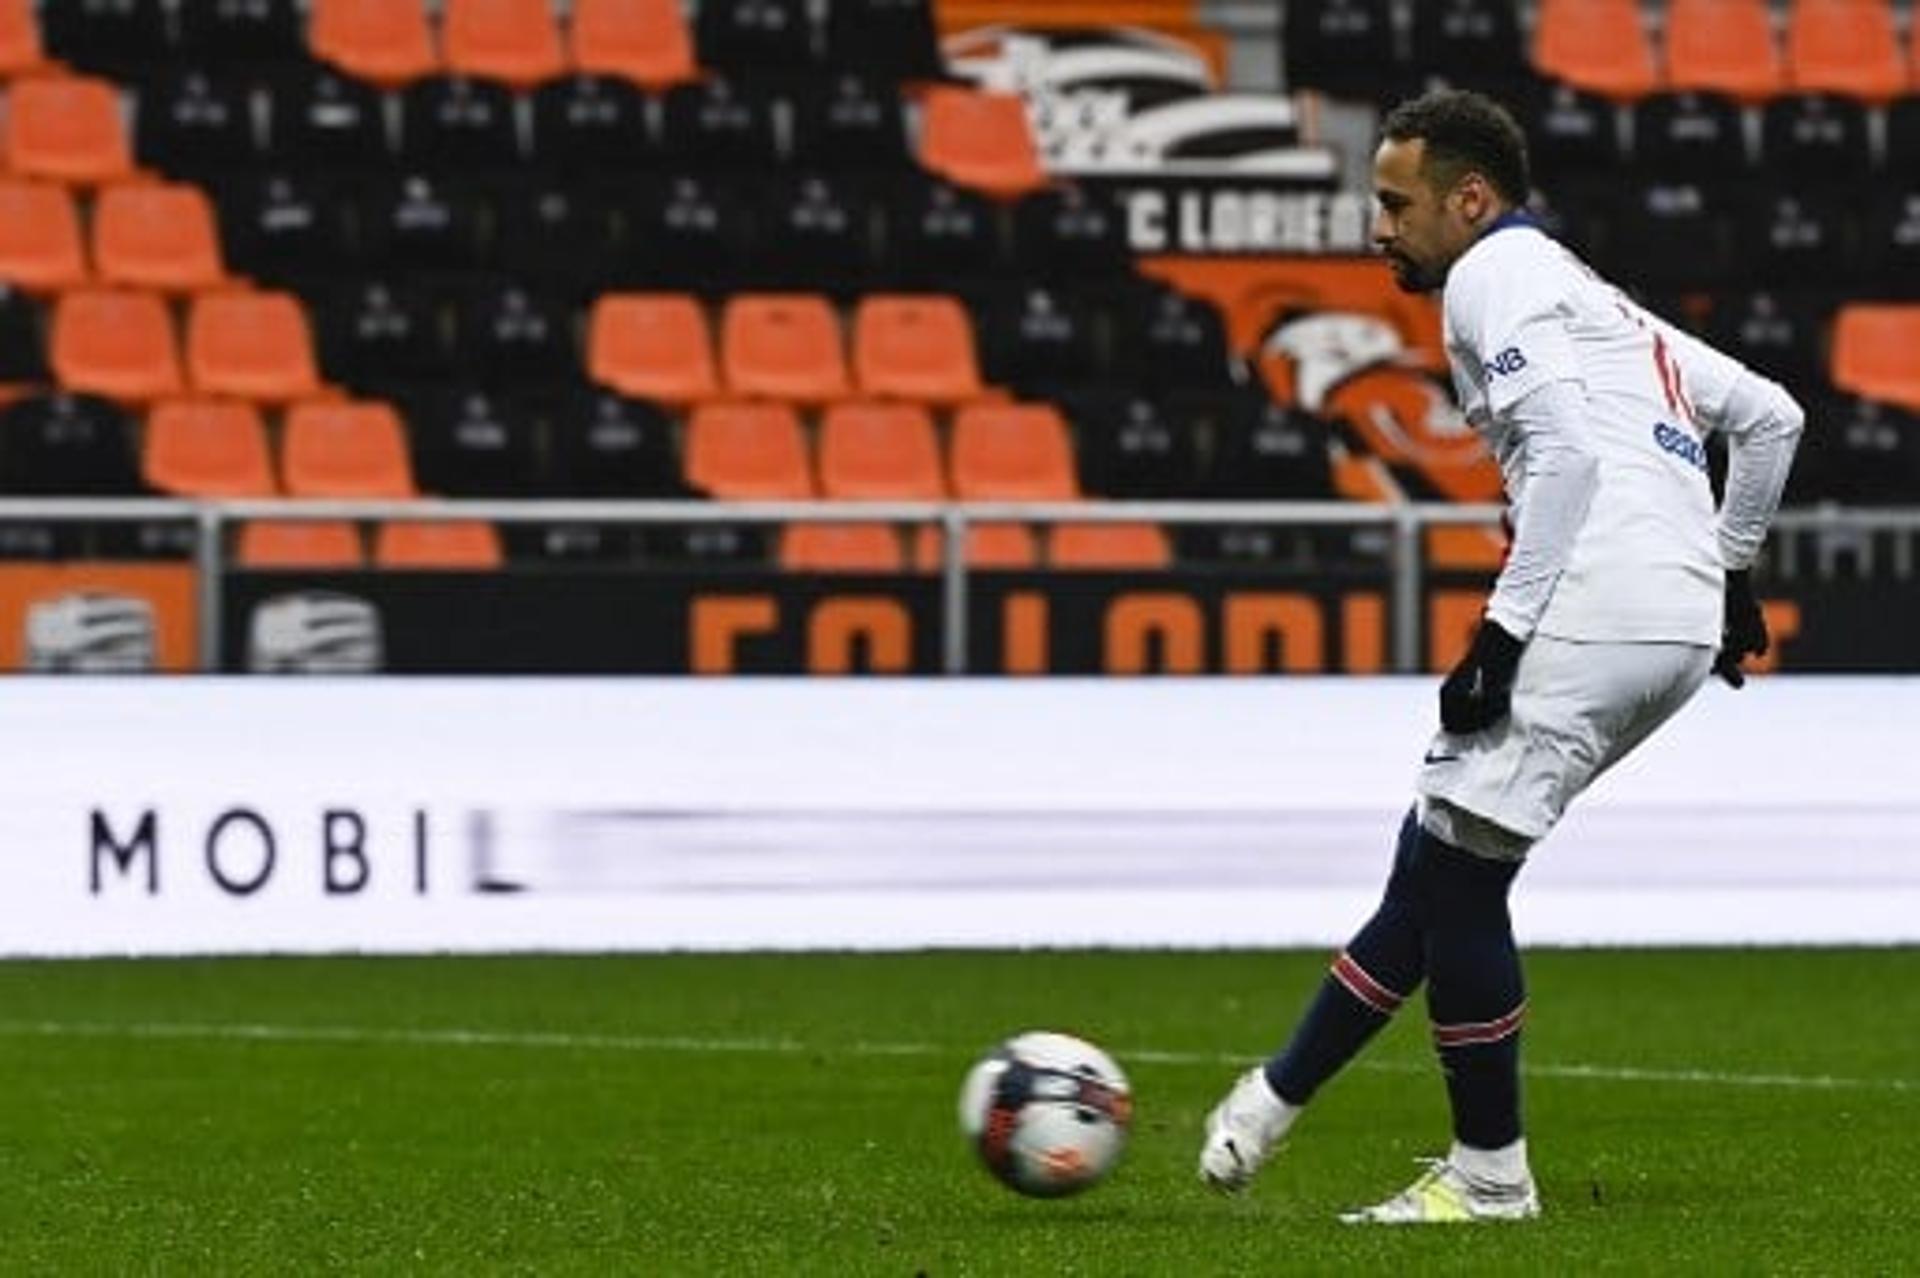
815	233
606	445
1571	133
418	222
107	37
1777	334
848	122
1890	240
1340	46
191	125
1166	340
1129	447
375	334
717	124
284	227
586	124
22	348
511	335
1688	135
1473	43
1864	452
894	39
457	124
1793	235
470	442
1815	135
938	233
561	234
1669	235
1261	450
755	35
319	117
685	232
1903	136
1071	232
68	445
1039	340
242	34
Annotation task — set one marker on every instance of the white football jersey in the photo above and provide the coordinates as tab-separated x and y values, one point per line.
1522	312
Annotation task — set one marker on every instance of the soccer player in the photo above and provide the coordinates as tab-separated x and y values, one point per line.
1622	591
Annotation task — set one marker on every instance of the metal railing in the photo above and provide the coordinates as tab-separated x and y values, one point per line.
1406	523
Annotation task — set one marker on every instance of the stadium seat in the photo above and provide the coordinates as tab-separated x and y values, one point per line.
989	548
469	441
376	334
1845	47
1012	452
848	122
560	232
1129	447
757	36
421	222
389	42
67	445
1571	133
457	124
207	448
279	228
1671	235
1689	135
107	37
652	346
1262	450
1775	334
980	141
915	347
21	50
1071	232
319	117
1342	47
241	36
938	232
1038	340
1890	240
1794	235
251	345
1873	353
644	41
1817	135
116	343
1168	340
66	128
437	545
509	333
893	39
40	245
880	452
1723	46
299	544
748	452
1110	547
868	547
586	124
513	41
1472	43
157	235
815	235
23	358
344	449
689	233
717	124
190	125
1597	45
603	444
783	346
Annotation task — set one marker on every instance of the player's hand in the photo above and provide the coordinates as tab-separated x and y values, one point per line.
1743	629
1479	692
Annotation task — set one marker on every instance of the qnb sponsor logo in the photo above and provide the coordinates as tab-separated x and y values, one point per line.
1506	363
1682	445
91	633
314	632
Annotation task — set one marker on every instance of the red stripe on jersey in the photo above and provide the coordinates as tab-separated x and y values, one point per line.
1364	987
1469	1033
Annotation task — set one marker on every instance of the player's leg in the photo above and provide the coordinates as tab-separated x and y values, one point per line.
1369	979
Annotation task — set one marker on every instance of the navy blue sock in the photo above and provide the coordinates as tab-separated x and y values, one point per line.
1475	993
1381	965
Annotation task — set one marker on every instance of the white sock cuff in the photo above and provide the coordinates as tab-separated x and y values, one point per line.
1505	1166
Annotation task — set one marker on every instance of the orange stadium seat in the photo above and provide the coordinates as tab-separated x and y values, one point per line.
464	545
980	140
387	41
1597	45
301	543
748	452
652	346
1114	547
514	41
67	128
1012	452
40	244
117	343
1723	46
841	548
645	41
915	348
1873	353
159	235
344	449
880	452
20	48
1005	547
207	448
1846	47
254	345
786	346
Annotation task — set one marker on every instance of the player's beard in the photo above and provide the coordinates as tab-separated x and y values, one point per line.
1411	276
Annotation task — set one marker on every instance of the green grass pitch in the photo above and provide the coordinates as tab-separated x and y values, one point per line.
1690	1112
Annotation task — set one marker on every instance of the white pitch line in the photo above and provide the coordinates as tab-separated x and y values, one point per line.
555	1040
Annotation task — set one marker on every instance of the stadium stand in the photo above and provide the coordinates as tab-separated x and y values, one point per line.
208	448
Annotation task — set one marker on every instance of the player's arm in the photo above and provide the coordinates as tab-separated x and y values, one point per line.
1762	424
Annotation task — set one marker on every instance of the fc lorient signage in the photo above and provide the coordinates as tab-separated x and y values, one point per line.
1203	219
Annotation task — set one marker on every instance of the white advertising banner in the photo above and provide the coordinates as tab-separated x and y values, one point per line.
259	815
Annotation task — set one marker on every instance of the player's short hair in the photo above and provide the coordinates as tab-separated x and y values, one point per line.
1465	132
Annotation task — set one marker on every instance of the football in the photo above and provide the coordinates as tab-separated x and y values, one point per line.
1047	1113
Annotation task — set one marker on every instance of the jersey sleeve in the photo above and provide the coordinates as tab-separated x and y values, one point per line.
1504	312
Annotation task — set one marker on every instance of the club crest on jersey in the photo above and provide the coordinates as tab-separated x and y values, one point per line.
1506	363
1681	445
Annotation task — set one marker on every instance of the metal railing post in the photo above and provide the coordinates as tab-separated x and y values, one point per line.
208	562
1407	528
953	582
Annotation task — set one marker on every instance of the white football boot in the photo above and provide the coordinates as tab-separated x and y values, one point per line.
1446	1195
1243	1131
